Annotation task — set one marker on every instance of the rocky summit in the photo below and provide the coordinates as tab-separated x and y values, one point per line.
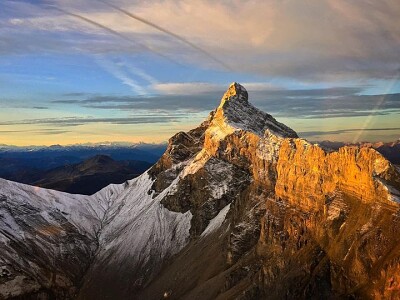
237	208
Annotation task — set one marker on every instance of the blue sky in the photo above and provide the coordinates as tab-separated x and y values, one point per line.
84	71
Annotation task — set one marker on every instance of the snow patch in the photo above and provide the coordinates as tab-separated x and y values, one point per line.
196	164
268	147
217	221
219	129
221	178
380	165
393	193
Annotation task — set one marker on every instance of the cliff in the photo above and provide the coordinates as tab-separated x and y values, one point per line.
302	222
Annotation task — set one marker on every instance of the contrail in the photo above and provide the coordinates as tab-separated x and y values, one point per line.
118	72
166	31
116	33
136	71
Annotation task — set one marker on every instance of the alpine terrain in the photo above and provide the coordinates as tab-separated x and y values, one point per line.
237	208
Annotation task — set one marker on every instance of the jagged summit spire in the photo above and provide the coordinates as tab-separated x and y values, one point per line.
235	112
235	92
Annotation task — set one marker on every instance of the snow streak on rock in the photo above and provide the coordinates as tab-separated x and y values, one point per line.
217	221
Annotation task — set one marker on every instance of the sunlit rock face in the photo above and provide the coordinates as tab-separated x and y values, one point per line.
305	171
302	222
237	208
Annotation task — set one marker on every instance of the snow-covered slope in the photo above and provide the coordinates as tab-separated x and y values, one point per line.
139	235
47	238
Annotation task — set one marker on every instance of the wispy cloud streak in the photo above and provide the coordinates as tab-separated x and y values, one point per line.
142	74
113	32
171	34
76	121
119	73
270	38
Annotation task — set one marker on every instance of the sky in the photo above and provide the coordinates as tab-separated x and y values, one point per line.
140	71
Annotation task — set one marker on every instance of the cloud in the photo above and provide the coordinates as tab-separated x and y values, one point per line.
327	106
75	94
118	72
306	134
139	72
135	42
187	88
298	103
319	39
16	103
169	33
137	79
76	121
11	131
170	103
48	131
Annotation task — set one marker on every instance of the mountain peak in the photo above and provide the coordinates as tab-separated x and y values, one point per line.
235	93
99	159
235	112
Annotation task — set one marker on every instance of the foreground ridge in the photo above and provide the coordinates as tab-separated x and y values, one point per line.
238	207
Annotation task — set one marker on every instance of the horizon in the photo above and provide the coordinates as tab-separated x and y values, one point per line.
128	144
103	143
122	71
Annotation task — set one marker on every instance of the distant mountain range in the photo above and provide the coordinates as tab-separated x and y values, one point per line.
45	158
79	169
53	156
86	177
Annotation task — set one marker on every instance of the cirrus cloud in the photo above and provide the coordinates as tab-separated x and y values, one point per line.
328	39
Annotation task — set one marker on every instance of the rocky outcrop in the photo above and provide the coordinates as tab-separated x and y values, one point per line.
305	222
307	175
391	150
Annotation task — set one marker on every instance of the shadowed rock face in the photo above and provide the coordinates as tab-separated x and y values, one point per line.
241	208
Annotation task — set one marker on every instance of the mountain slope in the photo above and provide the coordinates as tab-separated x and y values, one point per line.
47	238
237	208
